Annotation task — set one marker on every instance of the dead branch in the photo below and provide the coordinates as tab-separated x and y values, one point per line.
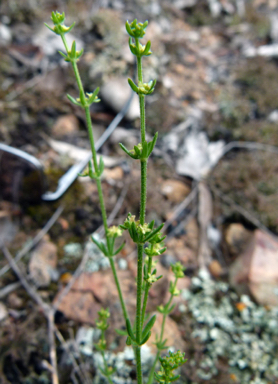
35	240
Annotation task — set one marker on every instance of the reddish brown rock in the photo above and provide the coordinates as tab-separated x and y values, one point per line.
65	125
257	269
115	173
237	238
171	333
174	190
80	306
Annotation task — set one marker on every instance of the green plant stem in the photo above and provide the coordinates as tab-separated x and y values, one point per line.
139	292
98	181
143	117
150	380
112	264
147	288
139	318
138	365
106	369
143	191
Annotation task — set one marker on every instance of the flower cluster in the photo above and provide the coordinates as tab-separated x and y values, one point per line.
168	365
142	233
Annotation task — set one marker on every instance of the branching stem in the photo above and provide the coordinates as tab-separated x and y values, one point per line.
98	181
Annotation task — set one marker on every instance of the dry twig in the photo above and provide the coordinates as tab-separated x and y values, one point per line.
35	240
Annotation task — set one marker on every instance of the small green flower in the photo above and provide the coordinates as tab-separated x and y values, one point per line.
128	221
168	365
146	88
102	325
143	228
155	249
136	30
58	28
101	345
104	313
173	289
178	270
152	278
114	231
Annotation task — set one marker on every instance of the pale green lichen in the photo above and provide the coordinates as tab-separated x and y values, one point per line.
234	328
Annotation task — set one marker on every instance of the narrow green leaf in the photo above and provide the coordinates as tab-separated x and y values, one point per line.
151	224
128	29
144	153
102	371
147	49
153	233
174	378
70	27
152	144
83	100
63	55
101	165
127	151
80	53
73	50
162	238
132	85
148	326
134	233
73	100
129	330
128	341
121	332
146	338
119	249
51	29
94	95
144	26
171	308
162	250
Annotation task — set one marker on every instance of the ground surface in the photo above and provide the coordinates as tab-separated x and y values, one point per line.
205	72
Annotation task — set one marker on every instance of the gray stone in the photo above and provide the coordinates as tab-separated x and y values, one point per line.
115	93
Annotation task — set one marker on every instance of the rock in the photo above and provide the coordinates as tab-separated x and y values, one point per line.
80	306
274	26
5	35
180	251
215	7
181	4
198	156
174	190
270	50
65	125
116	173
215	268
237	238
273	116
14	301
171	333
115	93
256	269
3	312
43	263
50	43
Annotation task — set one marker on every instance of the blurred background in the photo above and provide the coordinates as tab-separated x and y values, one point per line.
212	179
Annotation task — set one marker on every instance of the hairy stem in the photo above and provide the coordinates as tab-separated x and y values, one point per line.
143	200
147	288
150	380
98	181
